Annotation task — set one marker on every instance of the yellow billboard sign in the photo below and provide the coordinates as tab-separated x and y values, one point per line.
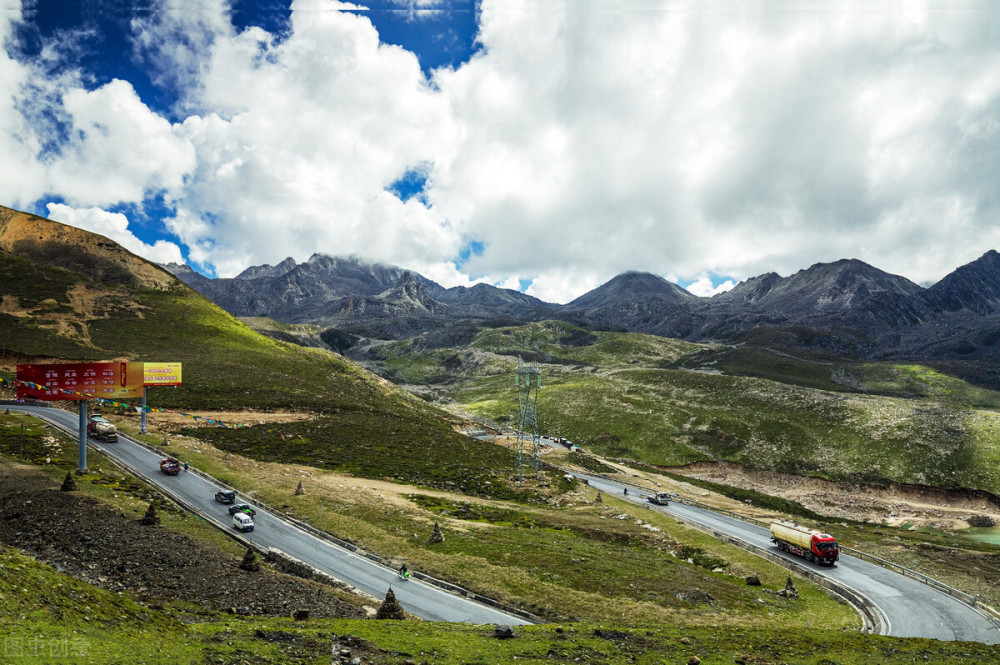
161	374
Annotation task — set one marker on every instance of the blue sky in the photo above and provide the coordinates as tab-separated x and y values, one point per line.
542	145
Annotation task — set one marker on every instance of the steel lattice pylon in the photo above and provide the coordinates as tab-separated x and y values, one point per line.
528	380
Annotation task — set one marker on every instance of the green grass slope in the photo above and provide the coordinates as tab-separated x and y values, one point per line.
50	313
669	403
48	617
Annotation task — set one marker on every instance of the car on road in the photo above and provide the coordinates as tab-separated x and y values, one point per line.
225	496
660	498
242	508
242	522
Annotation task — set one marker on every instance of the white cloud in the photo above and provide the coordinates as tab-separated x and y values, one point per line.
690	140
296	142
114	226
22	177
119	149
703	286
583	140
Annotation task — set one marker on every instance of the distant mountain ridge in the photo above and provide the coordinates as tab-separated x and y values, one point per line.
845	307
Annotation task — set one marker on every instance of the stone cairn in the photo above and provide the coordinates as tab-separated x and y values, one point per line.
390	609
151	518
250	562
598	499
69	484
788	592
436	535
299	491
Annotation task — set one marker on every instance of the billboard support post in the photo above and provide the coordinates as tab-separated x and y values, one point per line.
142	413
83	435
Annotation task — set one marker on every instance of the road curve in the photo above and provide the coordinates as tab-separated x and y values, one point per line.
424	600
909	608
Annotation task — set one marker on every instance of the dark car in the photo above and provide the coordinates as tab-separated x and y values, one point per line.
226	496
242	508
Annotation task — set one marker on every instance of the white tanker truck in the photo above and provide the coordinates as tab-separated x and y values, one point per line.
807	543
101	429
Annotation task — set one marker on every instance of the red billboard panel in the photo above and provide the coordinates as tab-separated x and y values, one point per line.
117	380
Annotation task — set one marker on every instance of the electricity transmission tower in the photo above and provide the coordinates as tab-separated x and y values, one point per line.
528	380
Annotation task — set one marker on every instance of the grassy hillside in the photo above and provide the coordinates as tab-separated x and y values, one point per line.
666	402
48	617
622	572
49	313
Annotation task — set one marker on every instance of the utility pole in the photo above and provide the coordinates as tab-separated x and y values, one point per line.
528	380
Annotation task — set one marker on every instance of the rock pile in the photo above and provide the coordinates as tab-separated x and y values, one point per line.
390	609
250	562
436	535
984	521
69	484
152	517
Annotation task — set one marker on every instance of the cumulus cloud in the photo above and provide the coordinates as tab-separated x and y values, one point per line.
297	141
119	150
704	287
22	177
583	139
114	226
681	140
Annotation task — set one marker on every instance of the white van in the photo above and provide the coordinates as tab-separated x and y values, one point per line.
242	522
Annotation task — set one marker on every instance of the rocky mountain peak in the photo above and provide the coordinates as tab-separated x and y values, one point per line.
837	286
264	271
750	290
632	286
178	269
974	287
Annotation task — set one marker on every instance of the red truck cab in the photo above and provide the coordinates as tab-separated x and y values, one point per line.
825	546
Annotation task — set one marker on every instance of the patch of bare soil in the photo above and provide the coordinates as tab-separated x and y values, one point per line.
172	422
895	505
26	234
91	541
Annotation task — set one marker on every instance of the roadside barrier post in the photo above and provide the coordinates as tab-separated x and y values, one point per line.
83	435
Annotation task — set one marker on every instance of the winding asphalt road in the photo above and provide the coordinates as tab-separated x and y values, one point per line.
908	608
193	490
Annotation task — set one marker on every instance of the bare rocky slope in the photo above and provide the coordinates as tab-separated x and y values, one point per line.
95	543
